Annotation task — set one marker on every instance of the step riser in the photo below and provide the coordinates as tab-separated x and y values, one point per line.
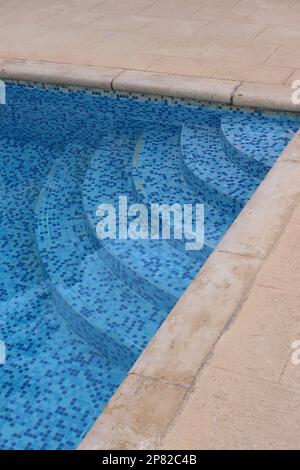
138	284
102	342
250	165
209	195
177	244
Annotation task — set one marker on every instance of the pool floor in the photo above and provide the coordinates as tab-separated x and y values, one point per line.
76	311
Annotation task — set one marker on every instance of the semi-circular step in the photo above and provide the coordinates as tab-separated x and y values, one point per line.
153	268
253	141
209	171
157	178
95	303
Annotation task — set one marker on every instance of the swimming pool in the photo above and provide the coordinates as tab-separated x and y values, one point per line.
77	311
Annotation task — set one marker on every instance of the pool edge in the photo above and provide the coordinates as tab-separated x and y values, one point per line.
144	406
270	97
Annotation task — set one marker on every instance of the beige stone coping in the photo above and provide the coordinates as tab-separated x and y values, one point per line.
274	97
58	74
142	409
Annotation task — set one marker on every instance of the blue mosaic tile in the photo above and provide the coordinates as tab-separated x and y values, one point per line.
254	142
157	178
76	312
210	172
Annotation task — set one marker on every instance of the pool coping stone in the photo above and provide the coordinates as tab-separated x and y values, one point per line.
270	97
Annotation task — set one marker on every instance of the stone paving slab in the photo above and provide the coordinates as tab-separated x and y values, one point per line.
233	411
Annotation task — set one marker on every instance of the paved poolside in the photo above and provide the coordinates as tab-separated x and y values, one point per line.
244	40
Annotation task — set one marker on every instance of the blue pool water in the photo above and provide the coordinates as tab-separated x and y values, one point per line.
75	313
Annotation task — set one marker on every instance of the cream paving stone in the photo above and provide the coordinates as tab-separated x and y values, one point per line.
79	5
251	73
223	13
206	3
285	57
127	7
114	41
177	47
281	35
78	36
176	27
68	19
296	215
258	342
290	377
179	349
121	23
293	77
272	16
227	31
251	55
80	56
267	4
282	268
136	417
33	4
186	66
231	411
23	15
233	42
19	33
258	226
167	9
16	50
130	60
296	8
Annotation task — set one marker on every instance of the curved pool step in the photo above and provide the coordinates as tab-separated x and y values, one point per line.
152	268
209	171
254	142
95	303
157	178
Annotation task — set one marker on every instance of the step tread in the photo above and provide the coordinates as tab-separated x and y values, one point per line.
203	155
262	138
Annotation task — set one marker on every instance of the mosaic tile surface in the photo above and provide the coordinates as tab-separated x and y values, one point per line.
254	142
153	268
76	312
210	172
